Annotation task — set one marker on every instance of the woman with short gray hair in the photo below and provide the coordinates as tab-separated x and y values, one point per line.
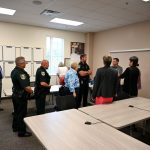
105	82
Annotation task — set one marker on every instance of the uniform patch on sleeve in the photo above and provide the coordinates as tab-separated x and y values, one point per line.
43	73
23	76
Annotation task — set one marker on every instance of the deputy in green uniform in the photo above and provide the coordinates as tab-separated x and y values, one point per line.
42	87
84	73
21	92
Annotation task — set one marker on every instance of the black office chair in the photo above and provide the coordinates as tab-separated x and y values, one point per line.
65	102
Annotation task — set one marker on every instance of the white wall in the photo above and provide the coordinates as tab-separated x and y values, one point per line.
135	36
30	36
22	35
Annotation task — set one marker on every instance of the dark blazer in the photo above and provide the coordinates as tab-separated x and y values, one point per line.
105	82
131	75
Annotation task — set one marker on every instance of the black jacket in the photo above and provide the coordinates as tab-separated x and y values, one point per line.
130	75
105	82
41	76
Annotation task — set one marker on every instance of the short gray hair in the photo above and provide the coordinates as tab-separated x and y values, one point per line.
19	60
61	64
107	60
74	65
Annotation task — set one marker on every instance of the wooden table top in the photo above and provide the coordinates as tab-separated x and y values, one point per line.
118	114
66	130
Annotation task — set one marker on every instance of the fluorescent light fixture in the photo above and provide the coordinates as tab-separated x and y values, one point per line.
146	0
7	11
67	22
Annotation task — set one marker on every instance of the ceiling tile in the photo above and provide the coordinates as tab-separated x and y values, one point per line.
96	14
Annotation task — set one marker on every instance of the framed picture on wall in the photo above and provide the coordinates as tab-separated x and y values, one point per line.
77	48
67	62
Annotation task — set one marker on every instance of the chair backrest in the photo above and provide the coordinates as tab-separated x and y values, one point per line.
65	102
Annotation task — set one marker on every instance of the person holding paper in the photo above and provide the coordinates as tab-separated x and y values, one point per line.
42	86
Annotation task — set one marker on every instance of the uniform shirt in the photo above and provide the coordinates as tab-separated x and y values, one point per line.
20	79
71	80
83	67
42	76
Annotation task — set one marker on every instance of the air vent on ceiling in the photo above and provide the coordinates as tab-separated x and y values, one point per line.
47	12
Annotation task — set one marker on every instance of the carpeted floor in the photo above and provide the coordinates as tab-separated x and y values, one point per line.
8	139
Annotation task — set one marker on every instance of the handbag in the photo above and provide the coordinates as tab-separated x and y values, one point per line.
63	91
61	80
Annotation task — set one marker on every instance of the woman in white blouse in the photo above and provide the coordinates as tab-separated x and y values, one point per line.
62	70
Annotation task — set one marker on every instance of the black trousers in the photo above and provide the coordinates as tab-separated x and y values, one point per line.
83	94
77	97
0	88
20	112
40	103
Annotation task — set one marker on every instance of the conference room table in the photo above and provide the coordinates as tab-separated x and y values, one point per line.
137	102
66	130
118	114
53	89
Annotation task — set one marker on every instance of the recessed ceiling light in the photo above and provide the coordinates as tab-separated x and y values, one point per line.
146	0
66	22
7	11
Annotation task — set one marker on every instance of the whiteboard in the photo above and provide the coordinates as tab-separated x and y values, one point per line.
9	53
38	54
1	53
18	49
27	53
144	56
36	66
8	67
28	68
